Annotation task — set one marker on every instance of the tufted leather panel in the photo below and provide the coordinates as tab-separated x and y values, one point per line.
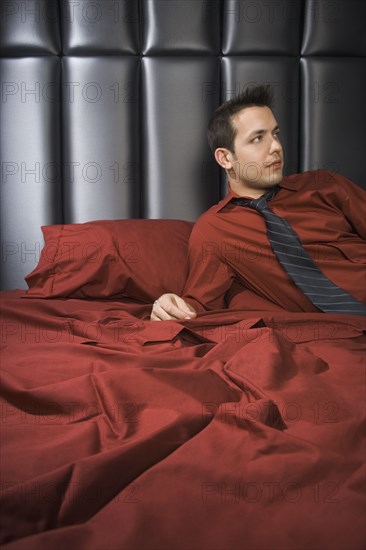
106	27
332	134
187	28
261	27
105	104
175	182
30	194
100	143
30	28
334	28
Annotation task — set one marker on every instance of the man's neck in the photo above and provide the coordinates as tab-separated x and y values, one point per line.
247	191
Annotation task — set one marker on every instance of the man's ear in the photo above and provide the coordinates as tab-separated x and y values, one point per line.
224	158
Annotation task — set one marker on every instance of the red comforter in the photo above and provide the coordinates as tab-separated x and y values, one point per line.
233	431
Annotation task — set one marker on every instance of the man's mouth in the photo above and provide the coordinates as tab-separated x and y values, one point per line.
275	164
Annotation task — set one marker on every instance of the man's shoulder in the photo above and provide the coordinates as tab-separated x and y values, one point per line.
209	215
208	222
323	180
311	179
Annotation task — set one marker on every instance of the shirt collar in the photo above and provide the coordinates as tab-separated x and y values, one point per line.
288	182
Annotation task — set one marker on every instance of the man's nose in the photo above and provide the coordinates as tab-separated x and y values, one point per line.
275	145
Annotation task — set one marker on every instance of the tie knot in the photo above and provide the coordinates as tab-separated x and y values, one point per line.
261	203
258	204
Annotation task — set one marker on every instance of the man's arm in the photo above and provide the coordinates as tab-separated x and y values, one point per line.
208	280
352	202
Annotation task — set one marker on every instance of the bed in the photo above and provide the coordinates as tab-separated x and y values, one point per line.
239	429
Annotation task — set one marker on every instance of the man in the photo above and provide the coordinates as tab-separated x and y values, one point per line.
230	243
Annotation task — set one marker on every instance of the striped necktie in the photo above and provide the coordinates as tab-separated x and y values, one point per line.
295	260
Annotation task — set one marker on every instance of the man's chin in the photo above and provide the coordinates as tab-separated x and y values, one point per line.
275	178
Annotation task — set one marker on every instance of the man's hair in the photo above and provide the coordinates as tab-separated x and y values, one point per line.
221	131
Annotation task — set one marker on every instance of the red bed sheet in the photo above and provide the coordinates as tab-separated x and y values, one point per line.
233	431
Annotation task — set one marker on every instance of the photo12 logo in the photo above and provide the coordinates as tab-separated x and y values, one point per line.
268	492
68	91
83	12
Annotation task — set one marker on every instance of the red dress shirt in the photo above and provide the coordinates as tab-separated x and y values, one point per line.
229	243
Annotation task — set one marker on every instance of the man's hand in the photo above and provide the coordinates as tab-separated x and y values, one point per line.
171	306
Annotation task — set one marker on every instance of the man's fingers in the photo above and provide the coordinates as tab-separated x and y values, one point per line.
185	307
161	314
171	307
176	306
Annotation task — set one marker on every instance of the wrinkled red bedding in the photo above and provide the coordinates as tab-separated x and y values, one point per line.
233	431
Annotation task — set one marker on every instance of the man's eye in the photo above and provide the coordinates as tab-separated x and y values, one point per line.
256	139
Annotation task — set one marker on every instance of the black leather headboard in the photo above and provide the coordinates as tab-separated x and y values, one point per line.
105	104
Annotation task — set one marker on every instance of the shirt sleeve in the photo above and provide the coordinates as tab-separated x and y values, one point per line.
208	276
352	203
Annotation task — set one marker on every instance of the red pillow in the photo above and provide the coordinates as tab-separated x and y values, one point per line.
139	259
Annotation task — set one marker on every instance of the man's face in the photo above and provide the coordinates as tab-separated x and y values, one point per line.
257	162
